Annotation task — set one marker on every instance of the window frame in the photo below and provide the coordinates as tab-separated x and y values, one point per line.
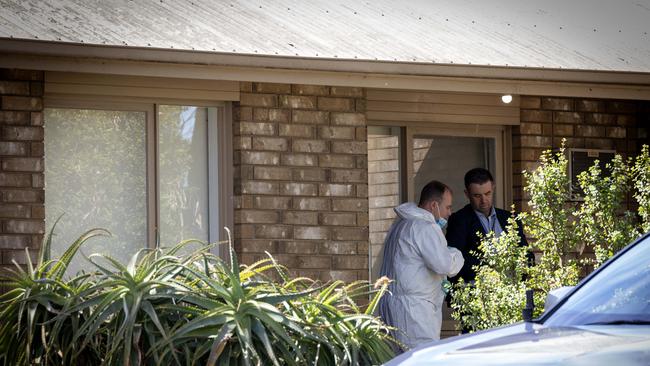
220	161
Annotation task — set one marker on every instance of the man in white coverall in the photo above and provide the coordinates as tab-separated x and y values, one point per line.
417	259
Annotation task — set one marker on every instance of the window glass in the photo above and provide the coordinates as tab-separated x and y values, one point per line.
183	173
95	174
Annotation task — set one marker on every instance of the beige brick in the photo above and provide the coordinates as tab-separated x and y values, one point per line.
630	120
345	276
297	102
530	115
273	231
256	128
14	87
14	117
258	246
300	218
38	180
298	247
15	211
590	131
324	262
310	117
383	142
619	106
37	149
18	196
361	134
600	118
350	262
278	203
567	117
383	201
13	148
344	91
256	217
349	147
350	204
15	180
383	166
311	232
616	132
36	89
531	141
311	204
307	174
338	219
335	104
310	146
558	104
243	113
348	176
336	161
296	130
242	142
255	187
383	189
12	103
260	158
526	102
362	190
526	154
246	86
328	132
36	118
270	143
361	162
244	232
258	100
597	143
18	256
348	119
529	128
22	133
588	105
298	189
24	226
310	89
38	212
14	241
562	130
390	177
272	173
529	166
328	189
272	88
271	115
299	159
339	248
569	142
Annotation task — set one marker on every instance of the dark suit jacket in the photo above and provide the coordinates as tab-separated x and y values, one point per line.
461	233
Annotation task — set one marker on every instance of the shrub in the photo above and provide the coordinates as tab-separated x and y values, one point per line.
166	308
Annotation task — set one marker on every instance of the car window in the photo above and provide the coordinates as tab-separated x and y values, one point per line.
619	294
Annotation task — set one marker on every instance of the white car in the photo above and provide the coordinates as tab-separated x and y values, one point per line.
604	320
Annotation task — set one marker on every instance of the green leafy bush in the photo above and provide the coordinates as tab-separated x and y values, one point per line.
560	230
194	309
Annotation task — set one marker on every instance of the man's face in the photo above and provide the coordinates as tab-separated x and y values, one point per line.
444	205
480	196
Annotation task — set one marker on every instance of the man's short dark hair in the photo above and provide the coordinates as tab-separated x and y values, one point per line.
433	191
478	176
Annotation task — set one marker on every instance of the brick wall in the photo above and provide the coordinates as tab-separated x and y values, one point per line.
300	157
21	169
585	123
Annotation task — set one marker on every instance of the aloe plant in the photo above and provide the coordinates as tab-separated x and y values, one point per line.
192	309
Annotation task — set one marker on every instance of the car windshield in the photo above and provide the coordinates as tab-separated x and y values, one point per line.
619	294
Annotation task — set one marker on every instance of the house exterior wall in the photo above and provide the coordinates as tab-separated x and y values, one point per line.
301	181
22	211
619	125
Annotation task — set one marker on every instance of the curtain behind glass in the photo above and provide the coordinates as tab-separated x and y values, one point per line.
95	174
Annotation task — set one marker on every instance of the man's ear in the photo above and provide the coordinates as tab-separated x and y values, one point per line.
466	193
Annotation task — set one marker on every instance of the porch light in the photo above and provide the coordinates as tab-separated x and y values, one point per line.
507	98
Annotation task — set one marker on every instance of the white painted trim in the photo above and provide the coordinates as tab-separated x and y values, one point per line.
405	76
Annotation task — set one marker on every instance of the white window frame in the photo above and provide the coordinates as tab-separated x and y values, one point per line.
220	167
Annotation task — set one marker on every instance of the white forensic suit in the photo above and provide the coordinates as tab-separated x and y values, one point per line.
417	258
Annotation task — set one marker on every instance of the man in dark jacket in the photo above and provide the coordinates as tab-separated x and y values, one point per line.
479	215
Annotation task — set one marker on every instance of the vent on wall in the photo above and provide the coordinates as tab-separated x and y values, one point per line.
580	160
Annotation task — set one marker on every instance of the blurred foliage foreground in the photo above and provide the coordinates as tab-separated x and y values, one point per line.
560	230
172	309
